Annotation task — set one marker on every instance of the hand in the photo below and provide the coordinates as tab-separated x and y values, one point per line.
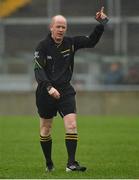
54	93
102	17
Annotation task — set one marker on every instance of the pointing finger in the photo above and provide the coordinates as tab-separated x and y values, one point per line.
102	9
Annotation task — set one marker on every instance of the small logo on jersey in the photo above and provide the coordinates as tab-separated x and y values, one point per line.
49	57
36	54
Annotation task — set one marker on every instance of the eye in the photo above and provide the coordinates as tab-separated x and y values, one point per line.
63	27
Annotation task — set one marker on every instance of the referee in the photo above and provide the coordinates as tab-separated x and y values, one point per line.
54	61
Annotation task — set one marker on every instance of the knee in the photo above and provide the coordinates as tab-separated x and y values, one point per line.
45	129
71	127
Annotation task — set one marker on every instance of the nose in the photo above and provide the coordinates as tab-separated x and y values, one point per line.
61	29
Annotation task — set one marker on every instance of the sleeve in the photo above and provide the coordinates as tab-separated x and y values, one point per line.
40	63
89	41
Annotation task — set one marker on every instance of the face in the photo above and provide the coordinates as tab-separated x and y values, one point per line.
58	28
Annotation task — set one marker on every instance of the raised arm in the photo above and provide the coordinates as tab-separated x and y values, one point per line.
91	40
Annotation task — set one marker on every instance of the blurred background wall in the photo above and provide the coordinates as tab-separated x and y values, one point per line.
106	77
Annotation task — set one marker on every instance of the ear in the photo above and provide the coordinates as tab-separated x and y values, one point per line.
51	27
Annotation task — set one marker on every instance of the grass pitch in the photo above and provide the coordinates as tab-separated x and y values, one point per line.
108	146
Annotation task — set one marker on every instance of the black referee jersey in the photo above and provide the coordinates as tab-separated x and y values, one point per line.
54	62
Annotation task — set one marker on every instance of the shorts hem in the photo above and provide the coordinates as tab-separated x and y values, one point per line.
46	117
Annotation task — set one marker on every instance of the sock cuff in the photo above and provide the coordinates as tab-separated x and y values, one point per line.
45	138
71	136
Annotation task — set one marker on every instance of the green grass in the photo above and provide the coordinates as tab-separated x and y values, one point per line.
108	146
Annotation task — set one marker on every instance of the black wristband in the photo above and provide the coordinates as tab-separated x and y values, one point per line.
102	21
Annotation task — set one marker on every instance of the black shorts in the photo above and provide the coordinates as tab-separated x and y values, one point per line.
49	106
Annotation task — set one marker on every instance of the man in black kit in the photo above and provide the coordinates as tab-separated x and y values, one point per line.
54	61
